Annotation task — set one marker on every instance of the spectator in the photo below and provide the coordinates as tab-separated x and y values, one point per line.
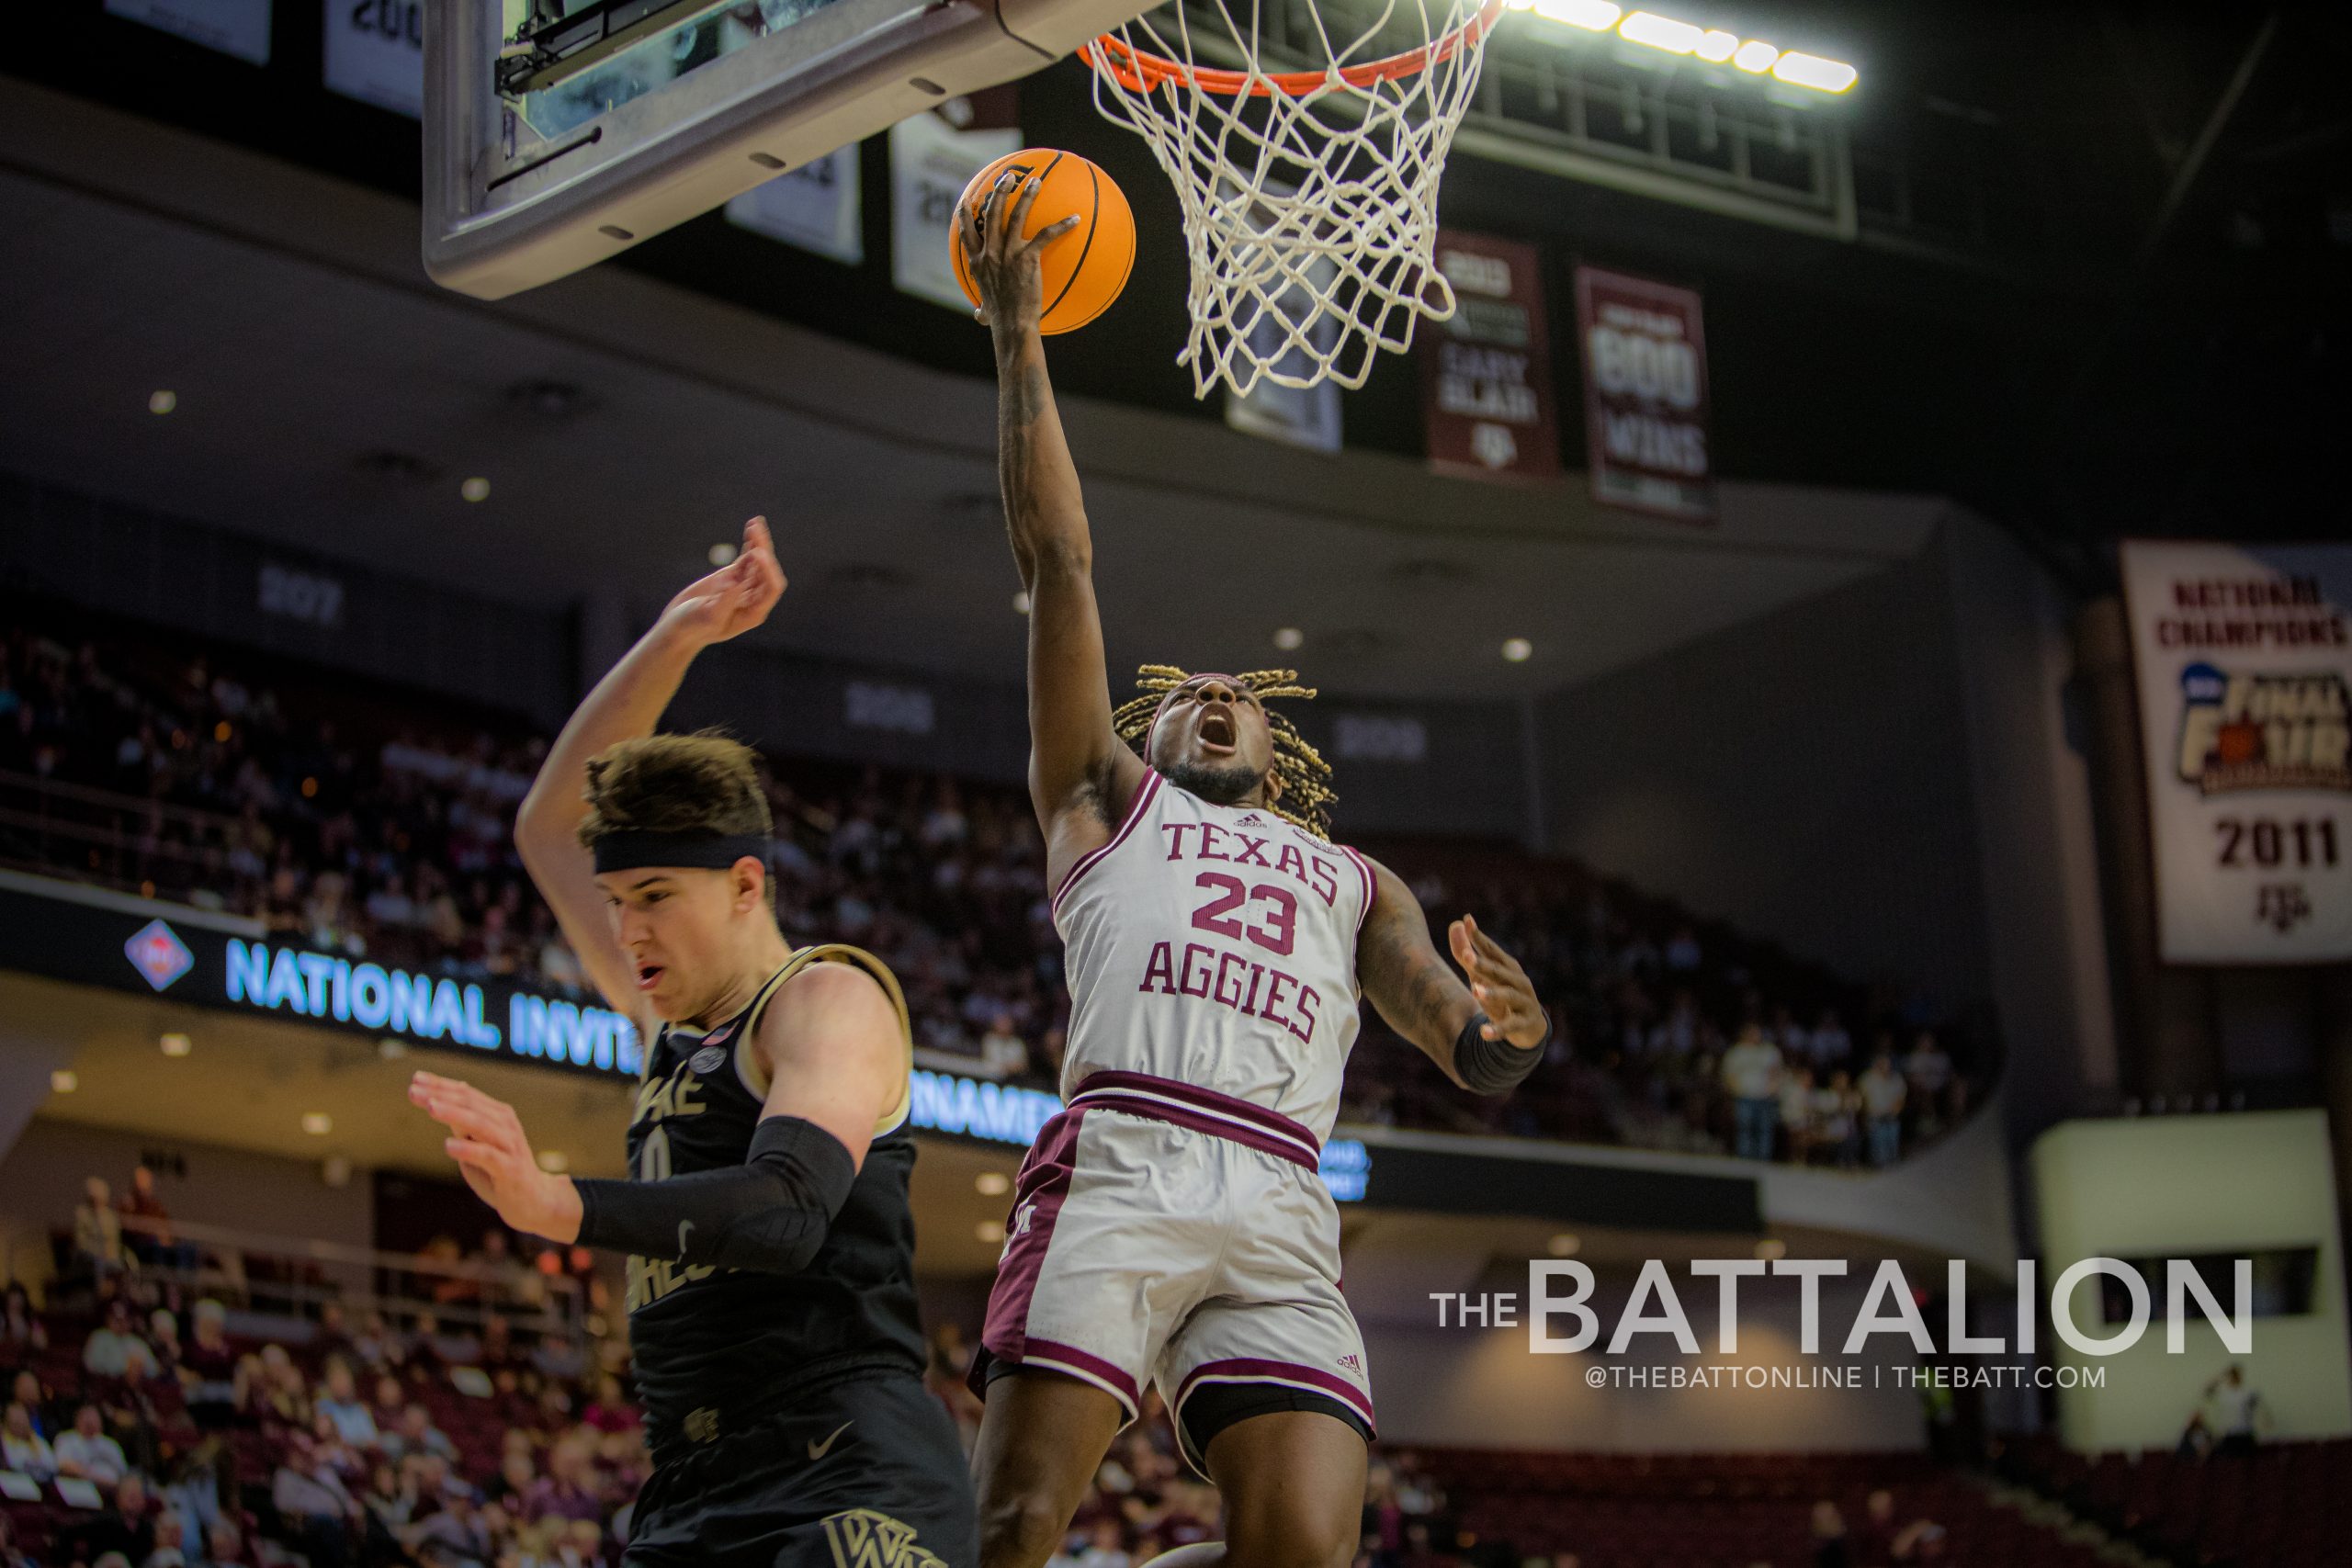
1829	1545
1883	1092
567	1490
2237	1411
23	1447
1002	1054
378	1349
127	1527
1928	1071
2196	1443
457	1535
610	1411
39	1402
1751	1076
208	1368
88	1451
330	1339
1873	1544
338	1403
97	1230
1103	1547
11	1556
1796	1114
1836	1108
146	1224
22	1332
315	1508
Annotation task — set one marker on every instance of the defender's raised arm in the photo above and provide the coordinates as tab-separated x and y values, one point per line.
1080	774
627	704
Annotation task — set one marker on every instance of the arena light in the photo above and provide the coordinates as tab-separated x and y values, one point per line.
992	1184
64	1080
1288	639
1660	32
1593	15
162	401
1714	45
1518	649
555	1162
1564	1245
1812	71
1771	1249
318	1123
475	488
990	1230
176	1045
722	553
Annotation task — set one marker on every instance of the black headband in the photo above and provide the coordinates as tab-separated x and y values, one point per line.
703	851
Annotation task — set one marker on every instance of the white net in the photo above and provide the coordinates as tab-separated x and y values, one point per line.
1309	195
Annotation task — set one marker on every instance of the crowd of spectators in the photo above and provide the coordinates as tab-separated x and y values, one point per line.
377	823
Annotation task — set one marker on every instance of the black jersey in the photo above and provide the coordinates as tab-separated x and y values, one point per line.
717	1348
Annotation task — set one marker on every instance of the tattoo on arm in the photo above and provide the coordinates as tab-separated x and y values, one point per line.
1415	990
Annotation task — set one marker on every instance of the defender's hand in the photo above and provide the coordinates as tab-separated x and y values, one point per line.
1005	268
1502	988
487	1144
735	598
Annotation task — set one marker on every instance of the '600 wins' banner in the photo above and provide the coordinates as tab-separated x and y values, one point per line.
2245	660
1644	394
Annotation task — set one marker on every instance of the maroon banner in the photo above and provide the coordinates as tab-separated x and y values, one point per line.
1644	394
1487	375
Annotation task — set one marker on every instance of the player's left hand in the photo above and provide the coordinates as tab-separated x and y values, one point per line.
487	1144
1501	987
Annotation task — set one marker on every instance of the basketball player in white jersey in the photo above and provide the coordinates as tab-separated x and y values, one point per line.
1170	1227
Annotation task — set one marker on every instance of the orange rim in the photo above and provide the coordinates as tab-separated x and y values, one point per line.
1139	71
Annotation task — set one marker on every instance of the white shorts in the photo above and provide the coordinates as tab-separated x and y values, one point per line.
1166	1232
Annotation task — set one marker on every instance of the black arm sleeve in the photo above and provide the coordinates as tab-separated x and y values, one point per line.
1493	1067
769	1215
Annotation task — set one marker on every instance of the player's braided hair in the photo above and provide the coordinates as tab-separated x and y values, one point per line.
1307	794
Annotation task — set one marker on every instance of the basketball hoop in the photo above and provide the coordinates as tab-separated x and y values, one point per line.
1309	197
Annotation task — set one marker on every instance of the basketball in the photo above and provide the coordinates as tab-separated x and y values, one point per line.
1085	268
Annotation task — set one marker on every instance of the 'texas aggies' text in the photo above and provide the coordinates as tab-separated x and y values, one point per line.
1251	899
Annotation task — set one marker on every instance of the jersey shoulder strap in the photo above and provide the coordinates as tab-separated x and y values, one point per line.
754	1073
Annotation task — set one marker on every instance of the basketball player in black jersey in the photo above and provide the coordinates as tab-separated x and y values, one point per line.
771	1271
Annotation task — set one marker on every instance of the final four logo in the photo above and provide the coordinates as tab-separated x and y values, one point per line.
2244	731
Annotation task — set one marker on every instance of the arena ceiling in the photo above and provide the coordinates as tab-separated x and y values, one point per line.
329	397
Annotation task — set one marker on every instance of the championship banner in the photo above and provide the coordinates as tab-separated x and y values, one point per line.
931	162
1645	395
2244	657
815	207
375	53
1486	394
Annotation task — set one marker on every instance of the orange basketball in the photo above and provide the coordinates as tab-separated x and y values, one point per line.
1085	268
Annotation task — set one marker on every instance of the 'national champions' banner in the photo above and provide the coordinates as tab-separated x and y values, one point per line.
1487	395
2243	658
1644	394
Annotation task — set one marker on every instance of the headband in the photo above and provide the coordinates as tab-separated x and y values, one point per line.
635	849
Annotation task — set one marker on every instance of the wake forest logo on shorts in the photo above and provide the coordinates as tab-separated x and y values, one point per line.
2247	731
861	1537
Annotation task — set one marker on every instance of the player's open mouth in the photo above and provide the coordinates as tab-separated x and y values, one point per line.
649	975
1216	732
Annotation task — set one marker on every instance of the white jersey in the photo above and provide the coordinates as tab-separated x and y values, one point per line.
1216	946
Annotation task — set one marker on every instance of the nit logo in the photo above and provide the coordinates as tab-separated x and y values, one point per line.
158	954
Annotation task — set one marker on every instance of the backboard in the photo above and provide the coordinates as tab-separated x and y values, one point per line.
560	132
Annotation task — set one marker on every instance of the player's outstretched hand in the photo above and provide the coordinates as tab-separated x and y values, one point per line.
486	1140
735	598
1503	991
1005	267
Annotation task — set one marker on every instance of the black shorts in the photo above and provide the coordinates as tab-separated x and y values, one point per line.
864	1474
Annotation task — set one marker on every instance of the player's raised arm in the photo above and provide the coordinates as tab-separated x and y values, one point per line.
1081	773
1487	1034
627	704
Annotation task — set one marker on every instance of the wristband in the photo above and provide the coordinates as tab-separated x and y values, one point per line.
1494	1066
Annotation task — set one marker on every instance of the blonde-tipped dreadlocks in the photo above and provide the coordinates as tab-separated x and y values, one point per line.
1307	794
